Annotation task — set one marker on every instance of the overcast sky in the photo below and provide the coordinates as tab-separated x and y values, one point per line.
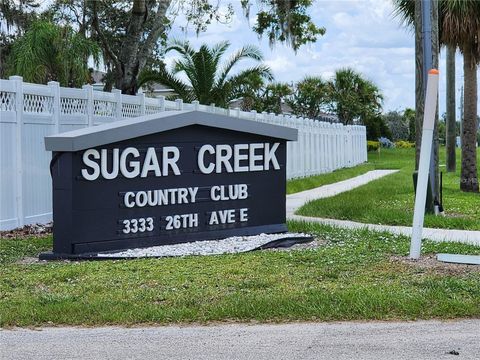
362	34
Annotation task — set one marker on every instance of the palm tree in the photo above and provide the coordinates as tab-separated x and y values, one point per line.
209	81
459	26
50	52
309	97
352	97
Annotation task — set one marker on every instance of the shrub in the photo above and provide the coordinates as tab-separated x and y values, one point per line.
372	145
404	144
386	143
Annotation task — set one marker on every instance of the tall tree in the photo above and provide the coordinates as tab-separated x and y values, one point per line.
50	52
209	81
398	125
147	23
409	116
353	98
285	21
272	98
310	97
15	17
459	26
128	48
451	136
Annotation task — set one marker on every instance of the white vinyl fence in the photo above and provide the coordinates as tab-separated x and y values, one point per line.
29	112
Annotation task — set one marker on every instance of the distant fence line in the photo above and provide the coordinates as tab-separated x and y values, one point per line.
29	112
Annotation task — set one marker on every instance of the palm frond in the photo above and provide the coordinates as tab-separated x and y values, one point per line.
247	52
232	88
163	77
405	11
180	46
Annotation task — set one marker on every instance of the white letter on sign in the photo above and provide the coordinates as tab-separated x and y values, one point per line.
92	164
126	200
224	154
150	163
254	158
213	219
201	164
170	161
135	165
237	157
270	156
104	162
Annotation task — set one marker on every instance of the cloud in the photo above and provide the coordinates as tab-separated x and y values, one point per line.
280	64
362	34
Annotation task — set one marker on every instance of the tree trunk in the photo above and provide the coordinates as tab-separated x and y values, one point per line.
469	178
451	121
137	45
127	73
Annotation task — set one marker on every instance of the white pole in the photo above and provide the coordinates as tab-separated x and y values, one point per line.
19	148
424	165
90	104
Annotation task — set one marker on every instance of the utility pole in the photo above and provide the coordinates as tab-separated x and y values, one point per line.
451	133
429	60
461	115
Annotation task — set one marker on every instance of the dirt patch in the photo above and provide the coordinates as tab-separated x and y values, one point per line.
30	260
455	215
429	263
37	230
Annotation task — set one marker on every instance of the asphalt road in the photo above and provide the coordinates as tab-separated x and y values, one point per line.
371	340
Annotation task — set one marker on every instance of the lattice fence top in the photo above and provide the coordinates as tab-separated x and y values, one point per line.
7	101
40	104
104	108
152	109
131	110
69	106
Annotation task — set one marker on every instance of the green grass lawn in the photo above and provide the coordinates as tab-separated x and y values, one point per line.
297	185
390	200
351	276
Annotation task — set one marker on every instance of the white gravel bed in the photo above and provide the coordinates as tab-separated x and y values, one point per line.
235	244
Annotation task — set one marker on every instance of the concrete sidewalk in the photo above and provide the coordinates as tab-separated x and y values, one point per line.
295	201
346	340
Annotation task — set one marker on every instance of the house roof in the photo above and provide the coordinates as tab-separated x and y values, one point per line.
145	125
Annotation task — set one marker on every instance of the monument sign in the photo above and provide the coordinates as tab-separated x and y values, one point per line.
167	178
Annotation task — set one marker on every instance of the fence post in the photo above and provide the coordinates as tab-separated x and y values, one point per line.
118	107
179	104
330	148
55	86
264	116
18	148
324	147
161	103
90	104
279	120
254	112
236	112
196	105
365	149
290	161
142	103
212	108
316	160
